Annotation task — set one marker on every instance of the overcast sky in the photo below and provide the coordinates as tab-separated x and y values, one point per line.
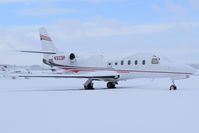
110	27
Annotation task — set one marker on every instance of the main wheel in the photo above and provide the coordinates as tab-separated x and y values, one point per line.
173	87
111	85
89	86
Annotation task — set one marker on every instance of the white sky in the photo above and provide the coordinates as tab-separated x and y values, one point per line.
121	27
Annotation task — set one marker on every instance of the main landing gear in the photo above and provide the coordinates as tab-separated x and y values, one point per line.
173	86
111	85
88	85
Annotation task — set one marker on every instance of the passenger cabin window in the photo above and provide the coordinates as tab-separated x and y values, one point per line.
136	62
155	60
116	63
122	62
129	62
143	62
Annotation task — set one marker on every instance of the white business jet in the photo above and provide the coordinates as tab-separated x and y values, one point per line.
99	68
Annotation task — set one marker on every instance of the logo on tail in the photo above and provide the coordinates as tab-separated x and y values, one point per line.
44	34
46	38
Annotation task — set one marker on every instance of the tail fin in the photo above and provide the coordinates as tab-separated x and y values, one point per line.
47	44
46	41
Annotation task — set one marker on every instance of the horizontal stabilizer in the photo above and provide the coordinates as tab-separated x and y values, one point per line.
38	52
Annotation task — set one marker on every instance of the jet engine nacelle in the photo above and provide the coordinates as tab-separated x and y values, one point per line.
72	57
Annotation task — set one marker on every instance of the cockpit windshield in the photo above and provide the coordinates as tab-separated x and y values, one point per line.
155	60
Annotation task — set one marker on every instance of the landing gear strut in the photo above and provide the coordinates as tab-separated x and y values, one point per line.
173	87
111	85
88	85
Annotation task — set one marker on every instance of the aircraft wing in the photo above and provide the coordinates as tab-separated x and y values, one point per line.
103	75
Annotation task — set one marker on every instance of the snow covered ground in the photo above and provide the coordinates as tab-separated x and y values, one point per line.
138	106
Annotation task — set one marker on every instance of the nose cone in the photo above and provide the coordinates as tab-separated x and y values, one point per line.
190	69
194	70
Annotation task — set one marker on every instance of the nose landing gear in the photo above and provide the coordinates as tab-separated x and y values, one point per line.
173	86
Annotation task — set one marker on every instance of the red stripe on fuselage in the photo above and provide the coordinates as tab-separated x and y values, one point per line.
160	72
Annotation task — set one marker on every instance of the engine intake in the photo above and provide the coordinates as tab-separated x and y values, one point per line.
72	57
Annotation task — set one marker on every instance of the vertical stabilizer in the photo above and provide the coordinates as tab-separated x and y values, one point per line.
46	41
46	44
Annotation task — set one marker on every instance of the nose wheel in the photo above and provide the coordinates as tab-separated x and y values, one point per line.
173	86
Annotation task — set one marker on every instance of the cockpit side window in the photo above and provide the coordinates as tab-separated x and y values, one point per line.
155	60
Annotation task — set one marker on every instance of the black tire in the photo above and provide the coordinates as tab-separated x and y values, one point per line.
111	85
173	87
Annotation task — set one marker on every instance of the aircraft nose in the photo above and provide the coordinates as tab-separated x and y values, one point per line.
191	69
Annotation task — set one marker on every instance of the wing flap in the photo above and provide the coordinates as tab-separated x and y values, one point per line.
92	75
